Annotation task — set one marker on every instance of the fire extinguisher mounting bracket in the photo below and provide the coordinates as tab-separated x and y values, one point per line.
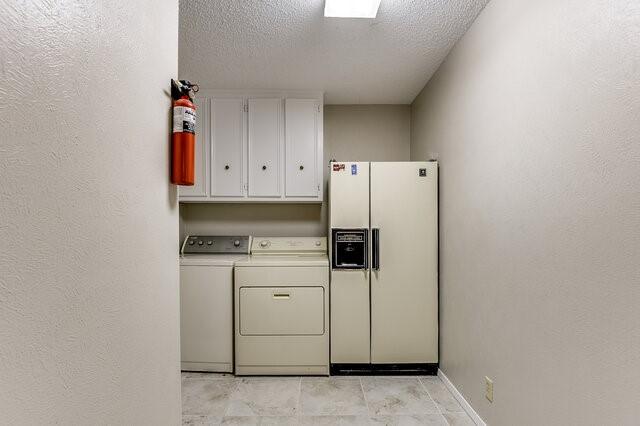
181	88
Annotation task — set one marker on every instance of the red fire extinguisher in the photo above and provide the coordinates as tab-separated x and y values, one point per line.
183	139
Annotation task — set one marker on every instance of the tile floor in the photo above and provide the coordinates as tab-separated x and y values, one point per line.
219	399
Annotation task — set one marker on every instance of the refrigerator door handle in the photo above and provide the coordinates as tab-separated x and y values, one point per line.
375	252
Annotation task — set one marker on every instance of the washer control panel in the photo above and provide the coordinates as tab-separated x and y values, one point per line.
210	244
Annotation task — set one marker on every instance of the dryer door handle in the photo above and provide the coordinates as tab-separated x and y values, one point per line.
281	296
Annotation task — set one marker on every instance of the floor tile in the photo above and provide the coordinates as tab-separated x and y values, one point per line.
197	420
261	421
333	420
441	395
204	375
397	396
206	397
279	421
458	419
410	420
332	396
265	397
241	420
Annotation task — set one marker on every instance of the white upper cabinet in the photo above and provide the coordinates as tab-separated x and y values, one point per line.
227	147
199	188
301	148
264	131
257	146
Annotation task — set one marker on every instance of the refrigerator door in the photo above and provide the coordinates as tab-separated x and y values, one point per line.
404	287
349	210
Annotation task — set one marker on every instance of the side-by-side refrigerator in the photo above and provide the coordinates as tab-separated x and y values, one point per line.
383	219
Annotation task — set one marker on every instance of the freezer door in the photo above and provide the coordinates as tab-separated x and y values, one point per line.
349	195
404	287
349	209
349	311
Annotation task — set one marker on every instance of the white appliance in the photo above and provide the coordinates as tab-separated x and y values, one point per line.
281	296
384	274
206	300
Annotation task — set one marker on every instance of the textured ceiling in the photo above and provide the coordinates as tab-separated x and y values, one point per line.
289	44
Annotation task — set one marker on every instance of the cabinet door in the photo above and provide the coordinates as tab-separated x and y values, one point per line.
301	135
199	188
227	141
264	131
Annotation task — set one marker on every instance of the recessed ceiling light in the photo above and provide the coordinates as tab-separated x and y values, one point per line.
351	8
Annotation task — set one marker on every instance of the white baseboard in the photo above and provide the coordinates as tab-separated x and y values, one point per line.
458	396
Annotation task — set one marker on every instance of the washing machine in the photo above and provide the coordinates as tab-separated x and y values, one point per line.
281	307
206	300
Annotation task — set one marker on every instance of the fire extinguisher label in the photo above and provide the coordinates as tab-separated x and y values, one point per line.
184	119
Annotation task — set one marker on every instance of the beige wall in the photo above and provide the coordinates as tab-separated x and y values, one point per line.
351	132
366	133
88	221
535	118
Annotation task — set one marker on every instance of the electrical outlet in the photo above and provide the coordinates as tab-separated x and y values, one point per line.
488	388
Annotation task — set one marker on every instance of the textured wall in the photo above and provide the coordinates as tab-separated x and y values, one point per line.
534	117
88	221
351	132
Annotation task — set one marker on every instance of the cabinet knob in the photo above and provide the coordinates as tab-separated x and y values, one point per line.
301	167
264	167
226	167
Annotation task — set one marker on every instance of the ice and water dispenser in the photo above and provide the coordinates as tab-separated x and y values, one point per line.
349	249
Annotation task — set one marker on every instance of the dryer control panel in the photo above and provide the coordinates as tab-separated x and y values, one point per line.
289	245
210	244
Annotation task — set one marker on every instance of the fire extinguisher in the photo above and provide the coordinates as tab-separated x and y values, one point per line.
183	139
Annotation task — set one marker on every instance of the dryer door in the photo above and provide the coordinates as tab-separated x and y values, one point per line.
281	311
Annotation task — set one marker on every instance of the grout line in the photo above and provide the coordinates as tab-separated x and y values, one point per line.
366	403
298	409
434	401
236	381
